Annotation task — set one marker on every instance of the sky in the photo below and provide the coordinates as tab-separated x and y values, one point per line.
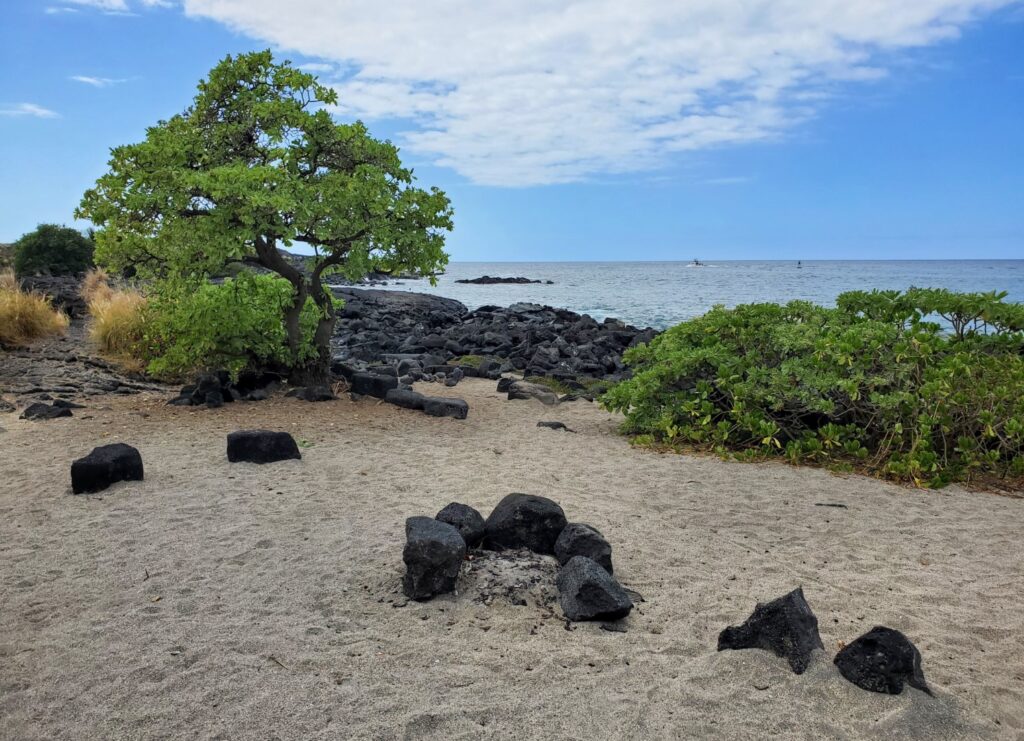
596	130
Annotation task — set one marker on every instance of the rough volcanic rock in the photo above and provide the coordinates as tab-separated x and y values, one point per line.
525	521
881	660
373	384
580	539
526	390
785	626
64	292
312	393
442	406
104	466
555	426
587	592
405	398
433	555
466	520
40	410
261	446
393	326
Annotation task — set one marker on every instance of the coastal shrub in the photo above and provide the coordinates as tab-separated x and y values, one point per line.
52	249
26	315
181	327
924	385
233	325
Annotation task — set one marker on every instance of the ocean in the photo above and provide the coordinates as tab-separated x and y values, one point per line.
660	294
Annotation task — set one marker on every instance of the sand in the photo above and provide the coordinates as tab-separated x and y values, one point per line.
218	600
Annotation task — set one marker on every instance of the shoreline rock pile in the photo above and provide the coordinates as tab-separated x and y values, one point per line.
388	327
881	660
436	547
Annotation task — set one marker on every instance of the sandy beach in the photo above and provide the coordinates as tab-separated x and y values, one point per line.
235	601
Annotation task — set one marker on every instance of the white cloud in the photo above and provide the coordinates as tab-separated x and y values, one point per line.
316	67
110	6
96	81
28	109
548	91
55	10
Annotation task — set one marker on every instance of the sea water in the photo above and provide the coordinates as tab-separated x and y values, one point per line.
660	294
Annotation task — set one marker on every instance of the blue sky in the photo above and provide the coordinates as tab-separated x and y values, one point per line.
731	129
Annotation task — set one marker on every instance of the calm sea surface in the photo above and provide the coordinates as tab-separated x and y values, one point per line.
660	294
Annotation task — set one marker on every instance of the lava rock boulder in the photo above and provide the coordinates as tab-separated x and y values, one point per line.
881	660
39	410
405	398
525	521
466	520
261	446
372	384
587	592
441	406
433	555
785	626
580	539
104	466
312	393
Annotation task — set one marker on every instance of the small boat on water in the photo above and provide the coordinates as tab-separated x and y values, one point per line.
696	263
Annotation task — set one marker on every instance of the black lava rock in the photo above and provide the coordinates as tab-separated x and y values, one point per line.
433	555
39	410
587	592
261	446
312	393
579	539
439	406
104	466
785	626
405	399
373	384
881	660
466	520
525	521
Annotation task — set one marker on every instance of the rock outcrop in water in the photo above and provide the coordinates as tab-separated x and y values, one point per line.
487	280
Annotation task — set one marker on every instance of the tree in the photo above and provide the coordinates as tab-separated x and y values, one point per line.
58	250
257	162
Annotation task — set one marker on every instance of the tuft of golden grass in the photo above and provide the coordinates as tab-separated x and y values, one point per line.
96	286
118	323
26	315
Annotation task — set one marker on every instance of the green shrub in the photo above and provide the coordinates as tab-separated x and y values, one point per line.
57	250
6	257
191	326
925	386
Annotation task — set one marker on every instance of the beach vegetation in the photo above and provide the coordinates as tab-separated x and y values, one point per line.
182	327
26	315
257	163
53	250
925	385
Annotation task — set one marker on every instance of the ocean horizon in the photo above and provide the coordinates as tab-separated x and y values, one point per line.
662	293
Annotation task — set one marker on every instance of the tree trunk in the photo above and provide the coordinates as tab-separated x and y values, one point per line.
315	371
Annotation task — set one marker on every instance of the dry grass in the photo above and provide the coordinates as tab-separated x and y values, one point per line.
118	321
96	286
26	316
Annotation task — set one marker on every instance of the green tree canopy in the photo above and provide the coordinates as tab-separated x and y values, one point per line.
257	162
58	250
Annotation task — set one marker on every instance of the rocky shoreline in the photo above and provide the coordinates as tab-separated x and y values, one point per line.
412	336
379	327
